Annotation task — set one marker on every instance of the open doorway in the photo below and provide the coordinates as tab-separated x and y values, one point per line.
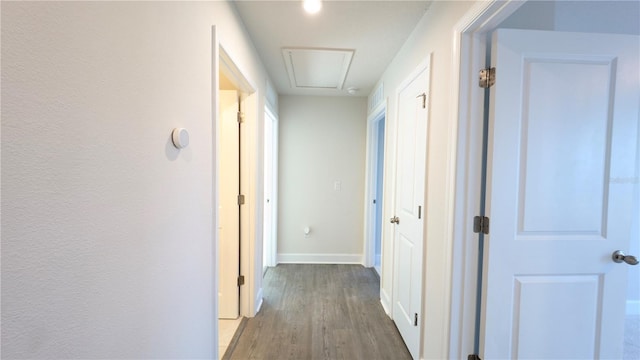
378	200
235	109
375	182
556	20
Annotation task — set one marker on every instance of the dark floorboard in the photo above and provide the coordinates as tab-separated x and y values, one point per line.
320	312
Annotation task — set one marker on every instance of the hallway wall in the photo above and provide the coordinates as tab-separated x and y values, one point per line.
322	141
433	36
107	229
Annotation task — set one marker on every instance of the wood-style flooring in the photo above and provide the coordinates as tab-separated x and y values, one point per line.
319	312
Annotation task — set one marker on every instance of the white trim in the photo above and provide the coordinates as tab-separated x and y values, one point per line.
250	177
258	301
385	300
320	259
379	113
215	146
466	108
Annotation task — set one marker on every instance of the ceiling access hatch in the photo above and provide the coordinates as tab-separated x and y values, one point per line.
317	68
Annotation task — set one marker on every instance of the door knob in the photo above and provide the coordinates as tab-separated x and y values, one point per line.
618	256
395	220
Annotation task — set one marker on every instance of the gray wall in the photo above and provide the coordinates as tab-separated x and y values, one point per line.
322	141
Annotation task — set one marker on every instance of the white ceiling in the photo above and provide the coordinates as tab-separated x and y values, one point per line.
374	29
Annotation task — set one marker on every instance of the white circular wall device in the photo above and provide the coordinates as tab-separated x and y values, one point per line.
180	138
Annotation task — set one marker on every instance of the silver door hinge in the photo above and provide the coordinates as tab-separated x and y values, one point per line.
240	199
240	280
487	77
415	320
473	357
481	224
240	117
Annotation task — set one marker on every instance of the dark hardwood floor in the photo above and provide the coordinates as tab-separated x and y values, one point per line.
319	312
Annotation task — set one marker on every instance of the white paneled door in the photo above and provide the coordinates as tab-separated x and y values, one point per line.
562	167
228	292
410	198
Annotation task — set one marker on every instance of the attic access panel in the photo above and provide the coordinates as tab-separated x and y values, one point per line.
317	68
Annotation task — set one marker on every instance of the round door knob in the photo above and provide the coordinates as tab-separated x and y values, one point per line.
619	257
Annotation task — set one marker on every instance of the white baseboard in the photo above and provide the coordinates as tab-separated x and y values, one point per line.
258	301
633	307
320	259
385	300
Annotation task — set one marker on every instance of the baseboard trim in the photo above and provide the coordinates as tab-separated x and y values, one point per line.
258	301
320	259
633	307
385	300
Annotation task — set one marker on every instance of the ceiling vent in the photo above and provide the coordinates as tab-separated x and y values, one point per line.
317	68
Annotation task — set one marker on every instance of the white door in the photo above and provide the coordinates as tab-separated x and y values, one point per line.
228	292
268	224
410	199
562	168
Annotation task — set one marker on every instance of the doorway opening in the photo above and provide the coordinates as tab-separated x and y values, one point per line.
374	213
471	35
378	200
235	193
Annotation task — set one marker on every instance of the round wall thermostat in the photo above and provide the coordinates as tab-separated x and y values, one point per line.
180	138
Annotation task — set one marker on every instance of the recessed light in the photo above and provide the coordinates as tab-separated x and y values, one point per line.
312	6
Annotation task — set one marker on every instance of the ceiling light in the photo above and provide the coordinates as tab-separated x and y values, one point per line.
352	90
312	6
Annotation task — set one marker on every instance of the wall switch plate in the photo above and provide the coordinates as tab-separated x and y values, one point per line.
337	185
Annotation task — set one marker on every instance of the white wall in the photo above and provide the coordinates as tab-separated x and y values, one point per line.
322	140
107	242
433	35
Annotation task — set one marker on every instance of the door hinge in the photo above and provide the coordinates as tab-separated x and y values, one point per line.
240	199
240	117
481	224
415	320
487	77
473	357
240	280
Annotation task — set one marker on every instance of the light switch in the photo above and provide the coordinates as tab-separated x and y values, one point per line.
337	186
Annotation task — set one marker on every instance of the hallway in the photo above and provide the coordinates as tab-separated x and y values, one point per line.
320	312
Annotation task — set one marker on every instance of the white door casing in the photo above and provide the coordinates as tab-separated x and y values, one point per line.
410	187
562	161
228	294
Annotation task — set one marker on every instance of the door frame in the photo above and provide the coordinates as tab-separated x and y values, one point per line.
467	109
272	250
250	264
374	117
